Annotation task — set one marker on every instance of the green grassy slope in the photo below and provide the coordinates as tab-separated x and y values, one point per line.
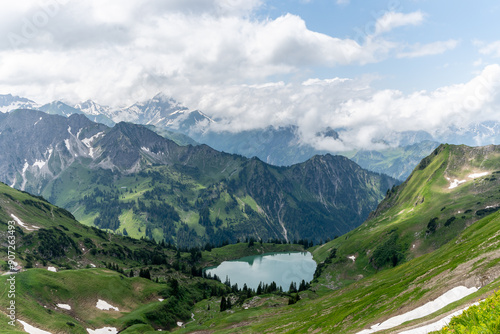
420	215
39	291
83	257
471	259
438	237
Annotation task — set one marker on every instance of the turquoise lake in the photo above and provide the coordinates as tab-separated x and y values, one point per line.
282	268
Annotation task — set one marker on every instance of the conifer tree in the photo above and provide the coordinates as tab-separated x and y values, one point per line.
223	304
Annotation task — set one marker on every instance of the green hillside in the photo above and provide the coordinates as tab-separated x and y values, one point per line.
92	265
423	213
424	239
472	259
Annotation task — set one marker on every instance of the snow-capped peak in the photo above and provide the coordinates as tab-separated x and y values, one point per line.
89	107
9	102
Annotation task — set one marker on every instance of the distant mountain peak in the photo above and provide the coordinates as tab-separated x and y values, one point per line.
162	97
9	102
59	108
90	107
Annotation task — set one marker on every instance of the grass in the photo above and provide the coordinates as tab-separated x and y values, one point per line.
130	222
378	297
39	291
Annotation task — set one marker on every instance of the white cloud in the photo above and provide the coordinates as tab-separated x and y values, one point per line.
120	51
391	20
214	55
367	118
491	49
430	49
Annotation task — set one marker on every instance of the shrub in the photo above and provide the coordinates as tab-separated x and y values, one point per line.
482	318
431	226
390	252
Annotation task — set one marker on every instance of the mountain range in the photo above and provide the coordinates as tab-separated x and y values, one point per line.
280	146
132	181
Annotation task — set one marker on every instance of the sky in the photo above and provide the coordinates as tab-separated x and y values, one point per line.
368	68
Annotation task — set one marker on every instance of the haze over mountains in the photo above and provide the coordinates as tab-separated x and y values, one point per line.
397	155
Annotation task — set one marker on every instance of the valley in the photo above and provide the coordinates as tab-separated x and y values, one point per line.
429	235
155	214
258	166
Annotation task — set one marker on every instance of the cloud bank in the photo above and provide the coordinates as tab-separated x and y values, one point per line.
220	57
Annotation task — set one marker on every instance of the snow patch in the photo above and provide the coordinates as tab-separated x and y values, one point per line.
32	330
64	306
352	257
69	130
66	142
37	121
145	149
53	269
25	226
92	265
180	111
105	330
25	168
161	299
180	323
455	183
103	305
88	141
40	164
435	326
447	298
476	175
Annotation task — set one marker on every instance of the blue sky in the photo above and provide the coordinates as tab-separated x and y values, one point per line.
463	21
371	68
